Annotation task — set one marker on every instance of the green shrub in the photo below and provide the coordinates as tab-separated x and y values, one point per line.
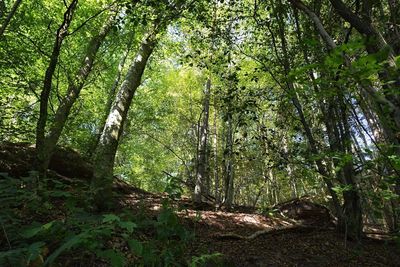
55	226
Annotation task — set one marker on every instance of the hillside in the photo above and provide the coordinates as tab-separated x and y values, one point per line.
299	233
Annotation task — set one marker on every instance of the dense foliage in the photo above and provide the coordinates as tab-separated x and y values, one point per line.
236	102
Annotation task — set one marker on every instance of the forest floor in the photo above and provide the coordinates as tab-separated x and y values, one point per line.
246	238
243	236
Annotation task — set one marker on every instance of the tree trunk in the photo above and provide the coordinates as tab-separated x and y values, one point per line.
9	17
307	129
111	94
41	148
394	7
106	149
352	202
387	106
324	35
228	159
391	115
376	43
74	89
289	168
202	187
216	166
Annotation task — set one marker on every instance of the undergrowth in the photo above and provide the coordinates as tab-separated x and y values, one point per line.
55	227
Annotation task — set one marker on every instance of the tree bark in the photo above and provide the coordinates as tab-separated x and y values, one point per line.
387	105
111	94
307	129
392	110
339	137
74	88
216	167
394	8
228	159
62	32
105	151
201	186
318	24
376	43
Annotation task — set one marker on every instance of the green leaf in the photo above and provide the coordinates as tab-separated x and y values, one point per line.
129	226
136	246
340	189
110	218
34	250
71	242
33	231
116	258
60	194
397	60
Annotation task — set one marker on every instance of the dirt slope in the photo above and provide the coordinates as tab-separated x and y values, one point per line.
278	241
243	237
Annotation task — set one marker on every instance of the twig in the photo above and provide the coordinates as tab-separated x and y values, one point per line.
89	19
5	234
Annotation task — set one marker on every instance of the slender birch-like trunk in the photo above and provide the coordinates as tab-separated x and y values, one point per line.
107	147
111	94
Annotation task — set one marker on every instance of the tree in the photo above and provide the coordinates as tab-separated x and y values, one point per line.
61	33
105	151
48	142
202	185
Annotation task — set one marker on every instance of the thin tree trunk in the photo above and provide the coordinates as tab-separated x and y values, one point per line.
202	187
105	152
388	106
352	207
394	7
111	94
352	200
375	43
321	29
392	111
311	141
62	32
292	180
9	17
229	168
216	171
74	89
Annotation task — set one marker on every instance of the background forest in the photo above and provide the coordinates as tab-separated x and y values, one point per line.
233	102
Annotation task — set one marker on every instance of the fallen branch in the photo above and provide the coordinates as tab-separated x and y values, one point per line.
5	234
380	233
234	236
